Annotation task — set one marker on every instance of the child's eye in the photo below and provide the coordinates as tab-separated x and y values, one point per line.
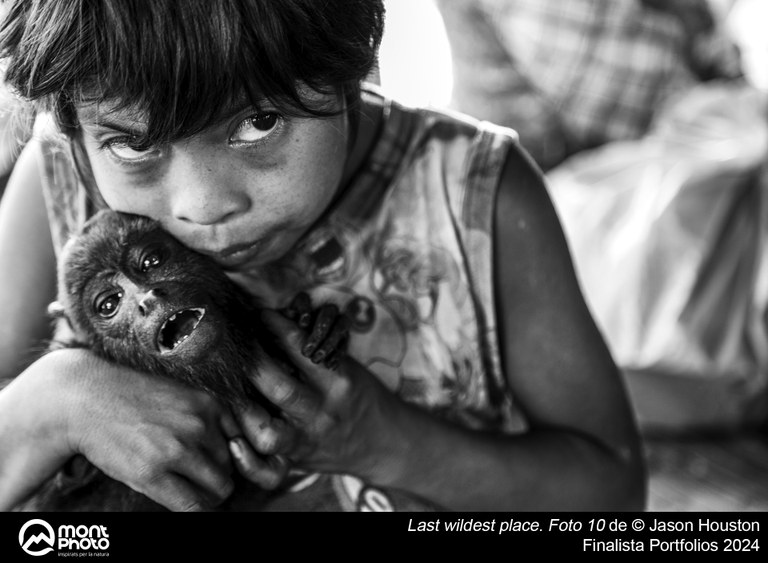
256	127
125	149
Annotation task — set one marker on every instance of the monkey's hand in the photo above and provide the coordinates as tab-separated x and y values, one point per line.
327	329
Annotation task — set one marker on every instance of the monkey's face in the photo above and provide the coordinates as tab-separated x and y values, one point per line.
134	289
150	301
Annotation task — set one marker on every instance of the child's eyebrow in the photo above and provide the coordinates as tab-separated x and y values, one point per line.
119	127
91	118
240	104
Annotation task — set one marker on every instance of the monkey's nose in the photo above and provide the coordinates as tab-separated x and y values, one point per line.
148	301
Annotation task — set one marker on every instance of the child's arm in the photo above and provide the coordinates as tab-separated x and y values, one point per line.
27	284
157	436
582	451
584	447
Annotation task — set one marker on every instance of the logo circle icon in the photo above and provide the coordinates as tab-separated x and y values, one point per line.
30	544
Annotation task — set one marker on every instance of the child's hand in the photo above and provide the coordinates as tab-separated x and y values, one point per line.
32	436
159	437
339	421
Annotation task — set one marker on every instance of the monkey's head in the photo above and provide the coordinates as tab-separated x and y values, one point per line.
137	296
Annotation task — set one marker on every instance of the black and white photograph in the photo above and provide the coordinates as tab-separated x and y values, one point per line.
498	268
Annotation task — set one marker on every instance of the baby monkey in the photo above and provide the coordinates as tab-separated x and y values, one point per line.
136	296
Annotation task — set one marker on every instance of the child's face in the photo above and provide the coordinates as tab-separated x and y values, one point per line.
244	190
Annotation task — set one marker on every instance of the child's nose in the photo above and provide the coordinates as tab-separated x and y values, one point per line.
208	195
209	207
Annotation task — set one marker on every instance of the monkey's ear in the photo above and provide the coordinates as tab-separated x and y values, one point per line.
56	310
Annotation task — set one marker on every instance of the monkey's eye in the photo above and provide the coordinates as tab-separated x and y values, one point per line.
151	260
107	307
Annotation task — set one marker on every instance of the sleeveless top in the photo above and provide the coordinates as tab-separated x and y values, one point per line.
407	252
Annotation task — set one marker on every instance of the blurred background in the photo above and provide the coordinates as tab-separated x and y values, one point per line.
649	120
415	57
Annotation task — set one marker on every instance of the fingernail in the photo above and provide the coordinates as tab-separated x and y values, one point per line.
318	357
236	449
304	320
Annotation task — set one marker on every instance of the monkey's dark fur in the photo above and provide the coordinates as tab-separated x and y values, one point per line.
136	296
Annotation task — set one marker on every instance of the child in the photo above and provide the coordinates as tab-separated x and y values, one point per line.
476	378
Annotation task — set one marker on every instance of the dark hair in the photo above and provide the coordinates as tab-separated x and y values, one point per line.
183	62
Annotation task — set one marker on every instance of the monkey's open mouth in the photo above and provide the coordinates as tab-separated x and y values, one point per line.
178	327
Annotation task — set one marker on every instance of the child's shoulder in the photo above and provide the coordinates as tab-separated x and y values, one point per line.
443	123
436	139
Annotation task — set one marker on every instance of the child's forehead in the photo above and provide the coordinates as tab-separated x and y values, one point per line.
111	112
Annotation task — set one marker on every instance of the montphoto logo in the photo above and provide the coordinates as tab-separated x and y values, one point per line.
31	544
37	537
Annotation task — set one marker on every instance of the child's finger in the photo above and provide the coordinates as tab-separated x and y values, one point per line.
287	392
179	495
266	434
267	472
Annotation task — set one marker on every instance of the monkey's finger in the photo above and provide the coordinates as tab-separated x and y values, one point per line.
267	472
333	359
333	341
333	362
291	337
326	317
300	310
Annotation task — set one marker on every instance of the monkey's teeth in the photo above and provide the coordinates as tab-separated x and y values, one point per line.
178	327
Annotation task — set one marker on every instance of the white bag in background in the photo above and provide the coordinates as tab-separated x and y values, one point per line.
668	235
